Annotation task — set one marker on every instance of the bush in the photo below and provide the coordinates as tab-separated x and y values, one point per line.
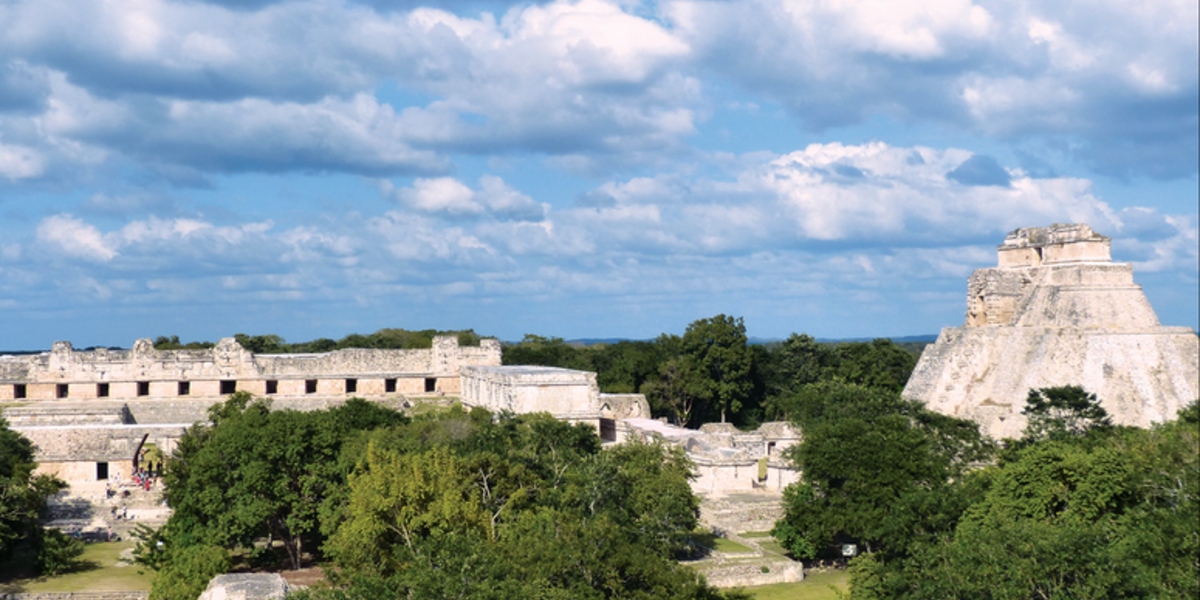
188	571
57	552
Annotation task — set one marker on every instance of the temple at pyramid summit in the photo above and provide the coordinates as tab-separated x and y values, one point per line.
1057	311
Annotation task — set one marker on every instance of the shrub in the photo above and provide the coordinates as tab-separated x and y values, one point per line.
57	552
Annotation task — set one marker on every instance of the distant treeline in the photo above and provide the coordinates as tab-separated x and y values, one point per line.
712	373
396	339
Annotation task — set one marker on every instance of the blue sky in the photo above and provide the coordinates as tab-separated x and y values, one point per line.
590	168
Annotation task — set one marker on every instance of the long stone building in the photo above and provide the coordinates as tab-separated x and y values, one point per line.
90	413
1057	311
146	373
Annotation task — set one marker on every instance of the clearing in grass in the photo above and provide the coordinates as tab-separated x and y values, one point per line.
816	586
100	569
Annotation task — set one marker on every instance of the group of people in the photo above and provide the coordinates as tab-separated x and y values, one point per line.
144	479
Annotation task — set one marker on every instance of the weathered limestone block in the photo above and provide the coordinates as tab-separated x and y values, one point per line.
624	406
246	586
1075	319
565	393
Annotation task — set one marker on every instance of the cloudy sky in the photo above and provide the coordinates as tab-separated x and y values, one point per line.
585	168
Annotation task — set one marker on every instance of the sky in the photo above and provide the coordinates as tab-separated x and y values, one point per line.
589	168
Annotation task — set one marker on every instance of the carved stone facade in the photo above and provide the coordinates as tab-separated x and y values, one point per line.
1057	311
88	412
146	373
728	460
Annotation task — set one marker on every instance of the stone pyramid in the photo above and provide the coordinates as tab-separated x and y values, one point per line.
1057	311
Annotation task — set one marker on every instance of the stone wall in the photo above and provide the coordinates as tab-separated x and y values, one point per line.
728	460
143	372
97	442
77	596
567	394
624	406
1072	319
745	575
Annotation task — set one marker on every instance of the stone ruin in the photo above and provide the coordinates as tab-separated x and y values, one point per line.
1057	311
91	412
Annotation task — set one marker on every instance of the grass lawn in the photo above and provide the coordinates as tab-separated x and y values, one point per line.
773	547
96	571
816	586
720	544
755	534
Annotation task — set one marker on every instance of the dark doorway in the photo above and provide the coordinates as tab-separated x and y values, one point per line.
430	384
62	390
101	390
143	388
351	386
310	386
101	471
608	430
228	386
272	386
389	386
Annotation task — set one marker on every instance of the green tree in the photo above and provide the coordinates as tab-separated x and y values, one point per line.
258	473
674	391
398	500
716	349
1107	515
22	493
878	364
467	505
1058	412
261	344
57	552
878	470
623	367
187	572
801	360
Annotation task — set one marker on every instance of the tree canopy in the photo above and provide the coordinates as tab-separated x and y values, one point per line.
448	504
713	372
23	496
1077	508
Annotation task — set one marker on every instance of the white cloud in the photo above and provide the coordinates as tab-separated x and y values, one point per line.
291	86
443	194
75	238
1092	72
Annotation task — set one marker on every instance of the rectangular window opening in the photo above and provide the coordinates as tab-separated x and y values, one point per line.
101	390
143	388
185	388
389	386
62	390
351	386
272	386
430	384
310	386
19	391
228	386
101	471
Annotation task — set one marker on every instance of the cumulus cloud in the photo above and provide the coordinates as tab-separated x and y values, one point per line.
874	234
75	238
449	196
202	86
1090	72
